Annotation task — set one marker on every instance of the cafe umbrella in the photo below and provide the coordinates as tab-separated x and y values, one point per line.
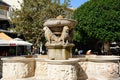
4	42
19	42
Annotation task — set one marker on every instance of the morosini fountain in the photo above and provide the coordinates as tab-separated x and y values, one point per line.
59	36
60	65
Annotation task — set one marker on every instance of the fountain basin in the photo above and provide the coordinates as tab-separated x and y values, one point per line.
18	67
96	58
65	70
101	67
56	25
60	22
80	68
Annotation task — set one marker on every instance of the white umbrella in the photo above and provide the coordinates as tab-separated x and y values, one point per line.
4	42
19	42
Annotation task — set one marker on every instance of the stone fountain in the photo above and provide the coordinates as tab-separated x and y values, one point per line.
59	36
59	65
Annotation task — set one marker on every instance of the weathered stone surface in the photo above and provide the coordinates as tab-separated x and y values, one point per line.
72	69
101	68
65	70
59	35
41	68
59	52
18	68
53	22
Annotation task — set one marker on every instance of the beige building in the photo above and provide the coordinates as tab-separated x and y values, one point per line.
4	15
6	6
14	3
4	11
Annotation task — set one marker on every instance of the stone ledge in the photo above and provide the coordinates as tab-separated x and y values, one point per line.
17	59
94	58
58	45
41	59
57	62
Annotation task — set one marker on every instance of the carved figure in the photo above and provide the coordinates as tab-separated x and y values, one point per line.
65	35
49	35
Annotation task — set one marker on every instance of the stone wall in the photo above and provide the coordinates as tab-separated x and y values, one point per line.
14	68
65	70
101	68
83	68
41	68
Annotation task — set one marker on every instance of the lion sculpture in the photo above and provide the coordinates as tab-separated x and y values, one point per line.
65	35
49	35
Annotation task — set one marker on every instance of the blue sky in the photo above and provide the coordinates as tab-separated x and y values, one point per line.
76	3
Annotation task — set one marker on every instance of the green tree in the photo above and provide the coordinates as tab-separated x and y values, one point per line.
56	1
65	2
29	20
98	19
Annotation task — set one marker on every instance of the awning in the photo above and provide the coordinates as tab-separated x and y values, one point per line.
19	42
4	42
4	36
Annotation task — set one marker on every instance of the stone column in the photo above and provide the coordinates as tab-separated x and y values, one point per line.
59	52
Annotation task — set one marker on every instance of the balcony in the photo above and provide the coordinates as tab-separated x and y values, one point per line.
4	14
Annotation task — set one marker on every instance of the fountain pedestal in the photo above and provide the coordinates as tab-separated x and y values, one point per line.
59	52
59	36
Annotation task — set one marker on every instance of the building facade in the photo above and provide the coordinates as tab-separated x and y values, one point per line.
5	21
4	15
14	4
